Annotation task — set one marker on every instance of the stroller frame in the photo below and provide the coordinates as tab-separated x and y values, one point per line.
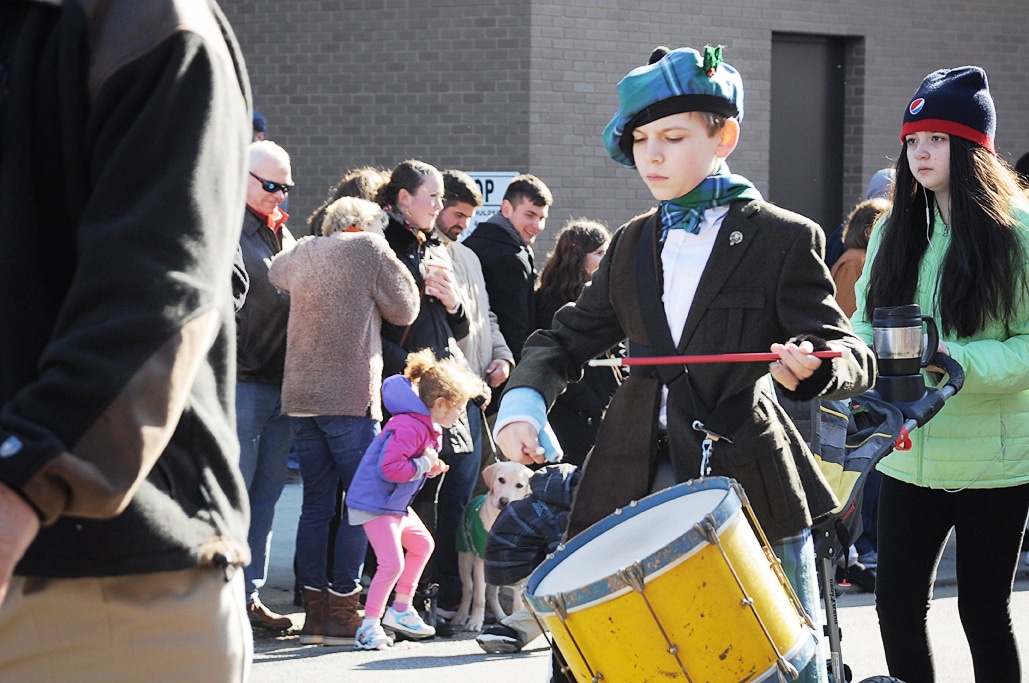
835	533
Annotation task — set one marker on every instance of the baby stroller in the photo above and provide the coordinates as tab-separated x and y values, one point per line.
610	585
849	441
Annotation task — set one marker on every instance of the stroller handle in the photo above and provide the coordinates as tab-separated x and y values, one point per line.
955	373
924	409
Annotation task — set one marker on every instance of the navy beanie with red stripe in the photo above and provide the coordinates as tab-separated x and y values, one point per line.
955	102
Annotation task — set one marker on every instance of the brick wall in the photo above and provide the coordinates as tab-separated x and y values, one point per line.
527	85
355	83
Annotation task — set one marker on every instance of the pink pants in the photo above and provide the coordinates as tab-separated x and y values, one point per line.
390	536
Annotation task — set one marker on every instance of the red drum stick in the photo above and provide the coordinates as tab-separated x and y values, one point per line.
710	358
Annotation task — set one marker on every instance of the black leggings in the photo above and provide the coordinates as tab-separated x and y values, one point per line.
914	523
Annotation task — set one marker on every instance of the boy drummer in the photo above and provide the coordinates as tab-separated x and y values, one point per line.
712	269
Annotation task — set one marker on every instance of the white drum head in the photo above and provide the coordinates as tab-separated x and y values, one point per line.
633	538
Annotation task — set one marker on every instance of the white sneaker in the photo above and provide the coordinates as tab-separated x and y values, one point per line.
371	637
407	624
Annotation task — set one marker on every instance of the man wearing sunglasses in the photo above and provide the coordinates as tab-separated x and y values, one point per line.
262	429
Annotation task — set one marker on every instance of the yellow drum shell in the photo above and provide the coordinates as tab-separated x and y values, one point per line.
707	611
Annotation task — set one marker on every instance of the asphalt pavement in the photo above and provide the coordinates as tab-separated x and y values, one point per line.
279	657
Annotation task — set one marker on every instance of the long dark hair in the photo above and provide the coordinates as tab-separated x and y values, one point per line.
565	275
981	279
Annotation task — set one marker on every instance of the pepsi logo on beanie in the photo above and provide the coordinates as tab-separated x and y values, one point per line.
955	102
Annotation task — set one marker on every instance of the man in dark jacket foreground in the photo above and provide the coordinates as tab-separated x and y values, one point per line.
123	134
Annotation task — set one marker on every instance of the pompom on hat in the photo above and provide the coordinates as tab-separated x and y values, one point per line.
674	81
955	102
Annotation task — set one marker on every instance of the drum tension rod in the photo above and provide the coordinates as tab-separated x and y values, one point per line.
557	604
785	667
565	669
709	531
774	563
632	576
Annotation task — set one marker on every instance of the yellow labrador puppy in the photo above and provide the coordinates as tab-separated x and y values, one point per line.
507	481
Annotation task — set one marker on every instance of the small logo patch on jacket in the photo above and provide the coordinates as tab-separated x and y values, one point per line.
10	447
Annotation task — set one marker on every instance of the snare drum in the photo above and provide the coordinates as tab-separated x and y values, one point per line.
674	586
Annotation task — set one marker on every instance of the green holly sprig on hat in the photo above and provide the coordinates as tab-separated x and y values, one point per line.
712	58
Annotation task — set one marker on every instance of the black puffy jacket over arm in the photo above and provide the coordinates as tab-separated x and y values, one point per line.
125	127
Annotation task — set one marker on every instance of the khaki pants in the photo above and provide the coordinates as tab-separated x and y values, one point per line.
523	620
174	627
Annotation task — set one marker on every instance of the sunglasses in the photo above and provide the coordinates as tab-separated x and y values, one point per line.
270	187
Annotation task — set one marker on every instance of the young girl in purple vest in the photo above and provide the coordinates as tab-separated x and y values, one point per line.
430	396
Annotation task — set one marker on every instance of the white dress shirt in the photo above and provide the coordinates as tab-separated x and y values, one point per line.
683	259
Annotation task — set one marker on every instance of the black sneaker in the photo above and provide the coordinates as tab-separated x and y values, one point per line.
499	639
444	629
861	576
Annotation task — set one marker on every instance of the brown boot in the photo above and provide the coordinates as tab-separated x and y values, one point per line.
341	620
314	619
262	617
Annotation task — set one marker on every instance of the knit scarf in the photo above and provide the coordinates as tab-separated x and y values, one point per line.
397	215
720	189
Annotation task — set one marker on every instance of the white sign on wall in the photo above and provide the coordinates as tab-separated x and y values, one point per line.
493	185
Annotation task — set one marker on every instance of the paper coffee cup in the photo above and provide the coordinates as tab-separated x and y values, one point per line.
434	266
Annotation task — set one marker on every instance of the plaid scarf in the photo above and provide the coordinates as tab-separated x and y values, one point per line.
719	189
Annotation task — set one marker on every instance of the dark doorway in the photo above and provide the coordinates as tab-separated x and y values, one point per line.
806	165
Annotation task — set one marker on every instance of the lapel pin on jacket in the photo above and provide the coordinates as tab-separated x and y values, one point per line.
735	237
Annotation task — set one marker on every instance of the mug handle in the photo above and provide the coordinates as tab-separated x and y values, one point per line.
933	342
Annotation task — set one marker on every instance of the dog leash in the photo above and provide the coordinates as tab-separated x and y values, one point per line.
489	435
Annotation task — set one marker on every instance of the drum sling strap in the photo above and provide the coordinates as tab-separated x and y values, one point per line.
718	424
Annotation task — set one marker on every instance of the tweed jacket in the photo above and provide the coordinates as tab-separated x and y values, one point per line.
764	282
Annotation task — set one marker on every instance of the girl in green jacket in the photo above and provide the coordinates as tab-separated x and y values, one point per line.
955	242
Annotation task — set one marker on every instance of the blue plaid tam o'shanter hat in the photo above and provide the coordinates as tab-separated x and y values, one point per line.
674	81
